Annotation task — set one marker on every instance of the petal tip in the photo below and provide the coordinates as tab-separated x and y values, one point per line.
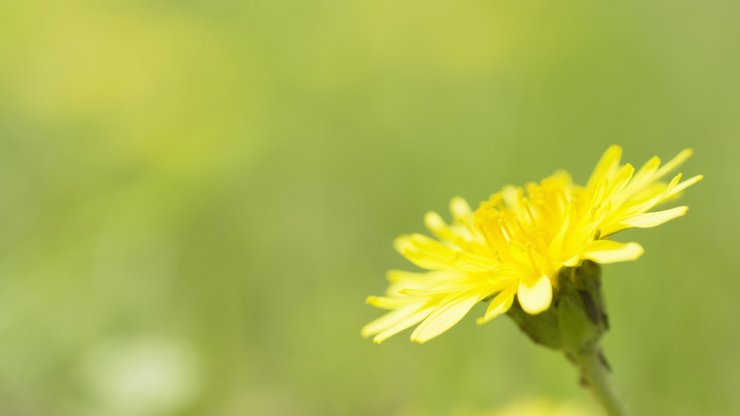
634	251
536	298
459	207
418	340
431	217
402	243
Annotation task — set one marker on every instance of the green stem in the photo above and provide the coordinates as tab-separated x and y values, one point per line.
575	324
596	376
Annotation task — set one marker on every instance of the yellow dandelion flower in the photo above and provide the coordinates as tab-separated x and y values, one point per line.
514	245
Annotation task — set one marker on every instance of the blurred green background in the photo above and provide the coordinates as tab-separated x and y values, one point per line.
197	196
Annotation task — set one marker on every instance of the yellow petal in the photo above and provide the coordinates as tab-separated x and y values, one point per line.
607	165
459	207
659	193
457	234
499	305
404	276
648	169
430	254
512	196
444	317
434	222
674	163
401	281
574	261
424	251
388	320
622	178
607	251
402	324
685	184
654	219
416	292
537	297
390	303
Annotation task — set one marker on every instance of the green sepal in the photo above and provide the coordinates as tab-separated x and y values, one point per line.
576	320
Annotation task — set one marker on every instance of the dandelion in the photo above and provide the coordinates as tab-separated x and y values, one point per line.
534	253
513	248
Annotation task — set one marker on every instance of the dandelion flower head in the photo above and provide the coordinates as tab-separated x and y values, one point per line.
513	246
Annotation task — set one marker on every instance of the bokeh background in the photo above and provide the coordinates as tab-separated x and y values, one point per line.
197	196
